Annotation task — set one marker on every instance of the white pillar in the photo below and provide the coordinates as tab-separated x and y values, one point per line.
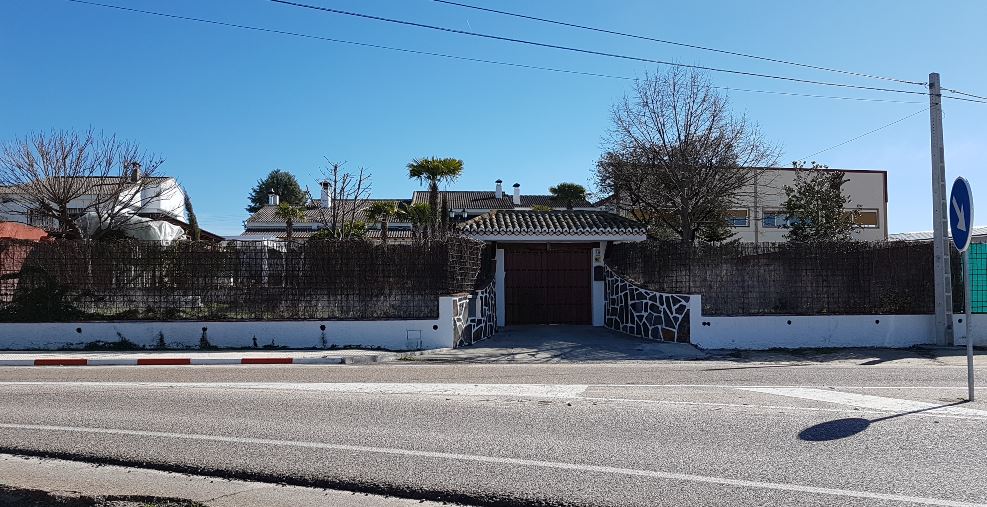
599	287
501	301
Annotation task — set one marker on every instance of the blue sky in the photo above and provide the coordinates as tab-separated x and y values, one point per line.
224	106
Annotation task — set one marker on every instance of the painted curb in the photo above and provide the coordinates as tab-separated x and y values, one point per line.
187	361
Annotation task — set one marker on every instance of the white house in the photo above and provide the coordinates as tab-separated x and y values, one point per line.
158	199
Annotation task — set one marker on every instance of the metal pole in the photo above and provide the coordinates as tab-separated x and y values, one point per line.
940	217
969	313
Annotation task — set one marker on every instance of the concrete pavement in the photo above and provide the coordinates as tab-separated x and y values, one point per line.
668	433
564	344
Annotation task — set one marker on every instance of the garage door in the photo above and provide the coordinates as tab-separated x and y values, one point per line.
547	284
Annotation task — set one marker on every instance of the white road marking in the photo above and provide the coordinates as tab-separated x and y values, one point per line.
653	474
870	402
736	386
515	390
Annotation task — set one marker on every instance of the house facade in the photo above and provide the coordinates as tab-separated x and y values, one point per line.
759	216
154	204
550	260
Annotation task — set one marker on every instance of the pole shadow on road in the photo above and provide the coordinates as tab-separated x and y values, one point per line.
850	426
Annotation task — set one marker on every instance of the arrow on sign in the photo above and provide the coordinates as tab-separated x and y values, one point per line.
960	219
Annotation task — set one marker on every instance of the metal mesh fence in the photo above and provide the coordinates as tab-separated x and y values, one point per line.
328	280
790	279
978	277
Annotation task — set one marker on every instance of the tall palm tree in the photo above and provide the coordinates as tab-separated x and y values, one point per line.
434	171
382	211
289	214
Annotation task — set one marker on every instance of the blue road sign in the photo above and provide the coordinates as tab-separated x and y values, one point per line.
961	213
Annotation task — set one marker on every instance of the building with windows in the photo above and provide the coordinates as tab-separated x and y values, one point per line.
760	217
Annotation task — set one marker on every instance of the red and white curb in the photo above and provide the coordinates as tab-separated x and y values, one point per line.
185	361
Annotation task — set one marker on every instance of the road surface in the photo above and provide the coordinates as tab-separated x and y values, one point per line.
622	433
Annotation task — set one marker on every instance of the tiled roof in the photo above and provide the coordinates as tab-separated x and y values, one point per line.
316	214
392	234
487	199
96	180
562	222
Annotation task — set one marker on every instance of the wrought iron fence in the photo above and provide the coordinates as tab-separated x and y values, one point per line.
55	281
788	278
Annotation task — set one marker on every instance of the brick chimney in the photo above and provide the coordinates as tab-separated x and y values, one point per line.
272	198
324	199
499	193
517	194
135	172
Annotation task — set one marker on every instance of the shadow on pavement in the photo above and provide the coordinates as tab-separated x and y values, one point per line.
566	343
850	426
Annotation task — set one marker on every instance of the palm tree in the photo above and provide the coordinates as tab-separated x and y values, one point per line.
382	211
418	214
289	214
568	193
435	171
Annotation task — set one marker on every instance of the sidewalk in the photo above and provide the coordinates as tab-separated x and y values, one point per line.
73	479
178	358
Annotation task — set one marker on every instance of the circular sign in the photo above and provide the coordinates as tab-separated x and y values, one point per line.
961	213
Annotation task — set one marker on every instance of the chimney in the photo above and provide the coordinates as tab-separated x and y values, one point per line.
135	172
500	189
325	200
272	198
517	194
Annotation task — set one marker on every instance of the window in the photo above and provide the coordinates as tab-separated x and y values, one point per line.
738	217
775	219
868	219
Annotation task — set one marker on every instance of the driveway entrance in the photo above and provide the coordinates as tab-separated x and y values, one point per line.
548	284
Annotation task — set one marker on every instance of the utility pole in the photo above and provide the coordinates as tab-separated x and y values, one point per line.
940	217
756	211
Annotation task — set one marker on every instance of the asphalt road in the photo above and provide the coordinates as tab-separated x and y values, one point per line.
626	433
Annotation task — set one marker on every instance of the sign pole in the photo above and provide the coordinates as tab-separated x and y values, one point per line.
969	314
961	225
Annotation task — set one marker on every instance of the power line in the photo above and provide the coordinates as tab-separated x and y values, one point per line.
963	93
463	58
793	94
340	41
587	51
674	43
865	134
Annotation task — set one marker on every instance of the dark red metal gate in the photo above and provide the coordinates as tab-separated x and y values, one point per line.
547	284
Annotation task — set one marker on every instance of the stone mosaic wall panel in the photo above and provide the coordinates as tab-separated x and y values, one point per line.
460	316
484	324
645	313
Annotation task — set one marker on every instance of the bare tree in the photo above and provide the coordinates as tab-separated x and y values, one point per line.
677	159
79	183
349	195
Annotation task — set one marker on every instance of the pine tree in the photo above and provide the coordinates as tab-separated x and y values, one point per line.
816	207
283	183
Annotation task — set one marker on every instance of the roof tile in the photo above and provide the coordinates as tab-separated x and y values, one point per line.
562	222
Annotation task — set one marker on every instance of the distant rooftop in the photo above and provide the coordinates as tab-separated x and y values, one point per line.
978	232
487	199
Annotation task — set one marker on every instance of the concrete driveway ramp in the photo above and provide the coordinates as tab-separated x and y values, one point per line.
563	343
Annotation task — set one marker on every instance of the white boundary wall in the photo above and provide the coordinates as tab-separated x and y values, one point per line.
798	331
388	334
979	329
